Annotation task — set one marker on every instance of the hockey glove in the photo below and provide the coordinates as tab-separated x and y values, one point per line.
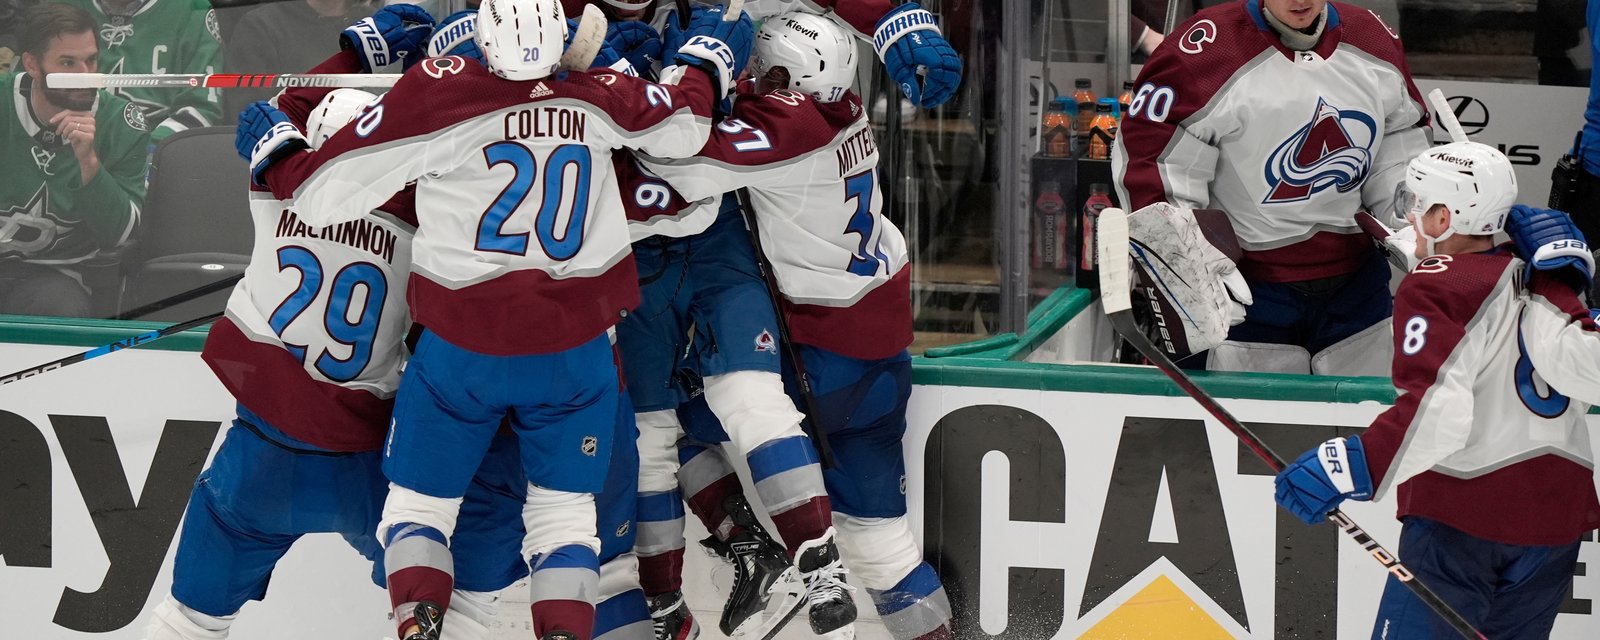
454	36
1322	478
721	48
637	42
917	56
396	33
265	135
1400	246
1197	291
1551	242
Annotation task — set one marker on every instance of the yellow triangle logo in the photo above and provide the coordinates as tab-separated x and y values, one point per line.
1160	611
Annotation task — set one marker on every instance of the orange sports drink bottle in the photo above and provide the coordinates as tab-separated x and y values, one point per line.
1125	100
1083	94
1059	128
1102	130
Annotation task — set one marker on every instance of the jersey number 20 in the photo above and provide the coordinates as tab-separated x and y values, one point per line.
524	166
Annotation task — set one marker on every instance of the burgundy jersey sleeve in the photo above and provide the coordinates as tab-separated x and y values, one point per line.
1437	355
297	103
755	146
645	196
861	15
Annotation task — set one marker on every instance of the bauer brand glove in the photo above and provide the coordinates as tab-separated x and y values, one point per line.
1322	478
917	56
398	32
1551	242
265	135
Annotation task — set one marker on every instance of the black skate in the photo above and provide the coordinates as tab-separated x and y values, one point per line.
833	611
760	568
671	619
429	620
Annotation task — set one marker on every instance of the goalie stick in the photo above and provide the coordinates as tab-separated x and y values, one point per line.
125	343
1114	246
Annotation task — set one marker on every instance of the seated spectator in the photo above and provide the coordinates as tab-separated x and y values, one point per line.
74	165
287	37
10	14
161	36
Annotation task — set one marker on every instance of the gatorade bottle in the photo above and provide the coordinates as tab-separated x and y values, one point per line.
1083	94
1125	100
1102	129
1059	124
1099	200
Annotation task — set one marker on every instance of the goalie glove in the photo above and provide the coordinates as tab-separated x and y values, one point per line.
1549	241
1195	290
1399	245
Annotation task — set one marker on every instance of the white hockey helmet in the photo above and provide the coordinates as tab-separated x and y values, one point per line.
818	55
521	39
336	110
1474	180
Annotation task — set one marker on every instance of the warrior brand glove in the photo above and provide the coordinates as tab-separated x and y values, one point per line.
917	56
398	32
265	135
1551	242
721	48
453	36
1317	481
637	42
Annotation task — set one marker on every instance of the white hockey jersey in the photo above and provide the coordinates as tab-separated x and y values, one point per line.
521	245
811	168
860	16
1291	144
1488	434
314	335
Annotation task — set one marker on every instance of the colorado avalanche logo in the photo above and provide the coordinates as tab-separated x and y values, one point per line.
1333	150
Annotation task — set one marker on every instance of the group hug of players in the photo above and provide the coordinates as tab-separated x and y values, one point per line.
479	304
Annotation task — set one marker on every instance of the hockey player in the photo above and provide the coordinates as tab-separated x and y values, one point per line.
1290	116
906	37
509	332
161	36
1486	447
802	145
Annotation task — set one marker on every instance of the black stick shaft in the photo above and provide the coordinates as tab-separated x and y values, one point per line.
818	436
125	343
180	298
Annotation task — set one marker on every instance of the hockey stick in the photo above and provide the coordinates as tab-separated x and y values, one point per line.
817	435
178	299
125	343
1447	116
586	41
683	14
1114	246
220	80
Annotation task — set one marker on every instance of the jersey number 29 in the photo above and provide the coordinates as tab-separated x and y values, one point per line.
357	334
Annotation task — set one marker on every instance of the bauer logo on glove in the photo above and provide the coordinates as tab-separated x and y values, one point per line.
1194	289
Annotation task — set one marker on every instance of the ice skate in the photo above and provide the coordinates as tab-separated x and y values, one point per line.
671	619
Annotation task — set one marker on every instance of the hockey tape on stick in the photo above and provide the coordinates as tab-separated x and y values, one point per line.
125	343
220	80
586	43
1446	116
1112	243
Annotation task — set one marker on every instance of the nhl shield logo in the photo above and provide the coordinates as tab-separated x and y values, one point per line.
765	342
590	445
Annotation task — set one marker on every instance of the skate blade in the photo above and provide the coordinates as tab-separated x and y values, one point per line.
766	625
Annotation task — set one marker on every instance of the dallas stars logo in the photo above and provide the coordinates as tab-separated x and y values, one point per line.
26	229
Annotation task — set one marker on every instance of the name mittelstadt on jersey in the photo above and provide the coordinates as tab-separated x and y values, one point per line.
855	149
546	122
360	233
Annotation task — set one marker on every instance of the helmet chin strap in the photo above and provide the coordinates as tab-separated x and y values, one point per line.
1430	241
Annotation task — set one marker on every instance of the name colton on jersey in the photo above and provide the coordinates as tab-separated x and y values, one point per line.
546	122
362	233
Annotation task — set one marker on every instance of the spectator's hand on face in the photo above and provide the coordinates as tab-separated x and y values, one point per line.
77	128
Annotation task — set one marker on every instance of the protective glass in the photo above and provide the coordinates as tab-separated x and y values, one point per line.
1407	205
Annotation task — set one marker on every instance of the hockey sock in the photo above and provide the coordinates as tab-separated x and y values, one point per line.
660	541
789	482
565	583
708	480
916	608
420	568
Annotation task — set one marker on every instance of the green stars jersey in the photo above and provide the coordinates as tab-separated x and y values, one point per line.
161	36
47	214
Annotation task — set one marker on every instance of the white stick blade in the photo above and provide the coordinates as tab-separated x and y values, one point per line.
1446	116
73	81
587	41
1111	245
735	8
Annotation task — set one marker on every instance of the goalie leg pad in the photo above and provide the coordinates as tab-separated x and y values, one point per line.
1259	357
171	620
1369	353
